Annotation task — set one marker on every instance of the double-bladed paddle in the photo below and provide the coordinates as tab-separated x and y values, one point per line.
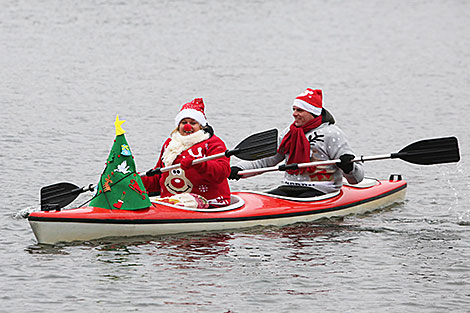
256	146
423	152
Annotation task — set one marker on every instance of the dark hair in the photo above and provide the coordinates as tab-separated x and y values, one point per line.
327	117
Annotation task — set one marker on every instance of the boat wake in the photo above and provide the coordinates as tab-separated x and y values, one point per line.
24	213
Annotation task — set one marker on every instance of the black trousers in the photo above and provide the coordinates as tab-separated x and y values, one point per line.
295	191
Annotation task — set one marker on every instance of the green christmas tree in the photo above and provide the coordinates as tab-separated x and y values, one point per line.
120	187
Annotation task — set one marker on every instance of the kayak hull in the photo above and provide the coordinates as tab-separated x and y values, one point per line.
249	209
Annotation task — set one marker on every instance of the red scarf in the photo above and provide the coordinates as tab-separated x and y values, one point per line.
296	144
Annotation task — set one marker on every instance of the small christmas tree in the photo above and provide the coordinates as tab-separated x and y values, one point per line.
120	187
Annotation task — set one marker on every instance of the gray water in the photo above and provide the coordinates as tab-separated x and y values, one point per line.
392	72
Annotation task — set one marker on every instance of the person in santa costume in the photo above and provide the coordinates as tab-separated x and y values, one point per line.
193	138
313	136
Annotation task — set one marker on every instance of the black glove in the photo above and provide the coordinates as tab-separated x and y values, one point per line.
153	172
346	163
209	130
234	173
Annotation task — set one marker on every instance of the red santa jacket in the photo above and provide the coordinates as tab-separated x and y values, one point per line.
208	179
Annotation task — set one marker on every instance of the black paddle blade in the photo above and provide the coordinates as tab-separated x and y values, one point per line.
55	197
256	146
430	151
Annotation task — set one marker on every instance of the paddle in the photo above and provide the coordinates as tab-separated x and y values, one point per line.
54	197
423	152
256	146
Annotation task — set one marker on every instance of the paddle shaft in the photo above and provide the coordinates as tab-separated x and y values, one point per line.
195	161
295	166
78	190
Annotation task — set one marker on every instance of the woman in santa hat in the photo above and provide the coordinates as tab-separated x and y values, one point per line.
311	137
193	138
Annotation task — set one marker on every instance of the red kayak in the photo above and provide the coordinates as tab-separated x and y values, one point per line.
248	209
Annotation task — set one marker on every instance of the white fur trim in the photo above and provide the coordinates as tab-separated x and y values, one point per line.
307	107
191	113
180	143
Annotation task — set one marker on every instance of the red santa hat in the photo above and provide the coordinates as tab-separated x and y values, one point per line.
310	100
194	110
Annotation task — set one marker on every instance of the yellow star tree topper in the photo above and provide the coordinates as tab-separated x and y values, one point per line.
117	124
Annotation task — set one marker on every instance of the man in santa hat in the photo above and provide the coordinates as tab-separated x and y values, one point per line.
311	137
193	138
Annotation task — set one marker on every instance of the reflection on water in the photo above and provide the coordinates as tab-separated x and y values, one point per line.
46	249
189	248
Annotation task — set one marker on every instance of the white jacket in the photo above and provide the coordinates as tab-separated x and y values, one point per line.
327	142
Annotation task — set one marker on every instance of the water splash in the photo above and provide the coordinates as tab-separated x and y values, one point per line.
24	213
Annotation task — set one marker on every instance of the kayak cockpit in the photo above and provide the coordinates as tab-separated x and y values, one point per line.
236	202
296	199
365	183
